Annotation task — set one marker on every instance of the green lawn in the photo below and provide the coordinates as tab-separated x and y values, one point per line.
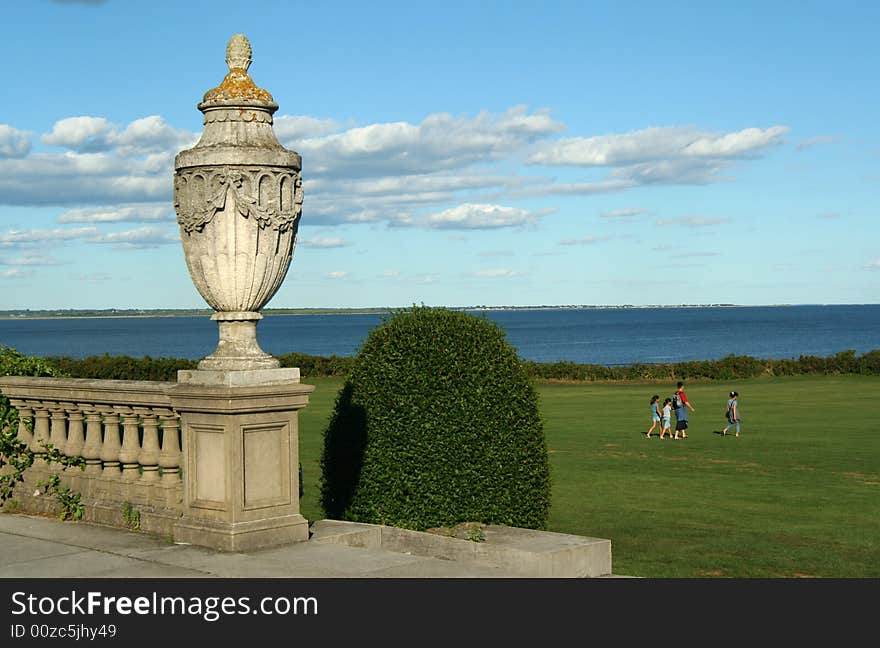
797	494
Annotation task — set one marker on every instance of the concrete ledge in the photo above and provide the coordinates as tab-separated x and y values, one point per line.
241	378
537	554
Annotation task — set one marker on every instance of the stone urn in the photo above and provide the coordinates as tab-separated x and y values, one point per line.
238	197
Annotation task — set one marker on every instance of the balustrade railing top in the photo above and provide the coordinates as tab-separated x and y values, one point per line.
82	418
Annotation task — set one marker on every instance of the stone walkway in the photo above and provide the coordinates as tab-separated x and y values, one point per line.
38	547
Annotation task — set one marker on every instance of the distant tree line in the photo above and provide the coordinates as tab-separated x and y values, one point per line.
730	367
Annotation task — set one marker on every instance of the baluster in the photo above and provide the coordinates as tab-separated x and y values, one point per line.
131	447
149	454
169	458
41	433
110	447
75	439
58	434
91	450
25	414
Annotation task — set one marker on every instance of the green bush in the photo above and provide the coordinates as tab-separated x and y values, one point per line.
107	367
15	457
310	366
437	424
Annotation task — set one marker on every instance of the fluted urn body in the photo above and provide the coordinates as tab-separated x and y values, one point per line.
238	197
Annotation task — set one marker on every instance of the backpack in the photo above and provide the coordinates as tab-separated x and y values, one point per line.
676	401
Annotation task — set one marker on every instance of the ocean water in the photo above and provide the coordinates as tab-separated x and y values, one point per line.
608	336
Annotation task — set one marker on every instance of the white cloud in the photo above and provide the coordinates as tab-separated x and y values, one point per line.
498	272
679	171
83	134
670	248
14	143
96	134
694	221
586	240
621	213
16	274
439	142
658	155
443	172
102	164
337	274
829	215
813	141
123	213
78	178
744	142
152	135
874	264
143	237
325	242
477	216
656	143
291	129
94	276
27	238
31	260
576	188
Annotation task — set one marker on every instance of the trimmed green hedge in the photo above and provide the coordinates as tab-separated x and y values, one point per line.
108	367
317	365
727	368
437	424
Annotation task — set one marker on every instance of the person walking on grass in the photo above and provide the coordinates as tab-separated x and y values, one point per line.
732	413
681	405
655	414
667	415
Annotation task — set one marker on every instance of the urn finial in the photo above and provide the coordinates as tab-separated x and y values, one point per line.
238	85
238	52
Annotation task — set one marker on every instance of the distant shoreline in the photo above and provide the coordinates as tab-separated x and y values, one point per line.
140	313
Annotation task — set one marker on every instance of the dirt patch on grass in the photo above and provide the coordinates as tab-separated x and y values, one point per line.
865	478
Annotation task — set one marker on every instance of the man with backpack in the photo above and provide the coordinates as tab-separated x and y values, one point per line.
681	405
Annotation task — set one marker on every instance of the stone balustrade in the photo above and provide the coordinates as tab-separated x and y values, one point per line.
199	460
126	432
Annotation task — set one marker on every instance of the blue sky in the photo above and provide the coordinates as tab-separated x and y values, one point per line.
458	153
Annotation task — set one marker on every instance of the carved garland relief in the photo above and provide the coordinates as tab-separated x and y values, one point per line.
271	198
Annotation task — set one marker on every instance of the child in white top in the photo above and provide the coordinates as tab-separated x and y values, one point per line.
667	415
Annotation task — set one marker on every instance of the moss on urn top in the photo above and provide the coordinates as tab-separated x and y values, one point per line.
237	84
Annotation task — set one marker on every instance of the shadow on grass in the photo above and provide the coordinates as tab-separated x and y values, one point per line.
343	456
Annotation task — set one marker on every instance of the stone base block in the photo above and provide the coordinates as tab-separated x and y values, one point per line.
535	554
242	536
243	378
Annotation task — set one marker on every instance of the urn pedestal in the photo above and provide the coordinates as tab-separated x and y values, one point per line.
238	197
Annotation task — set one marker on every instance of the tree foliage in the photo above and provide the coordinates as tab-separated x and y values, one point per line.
16	457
